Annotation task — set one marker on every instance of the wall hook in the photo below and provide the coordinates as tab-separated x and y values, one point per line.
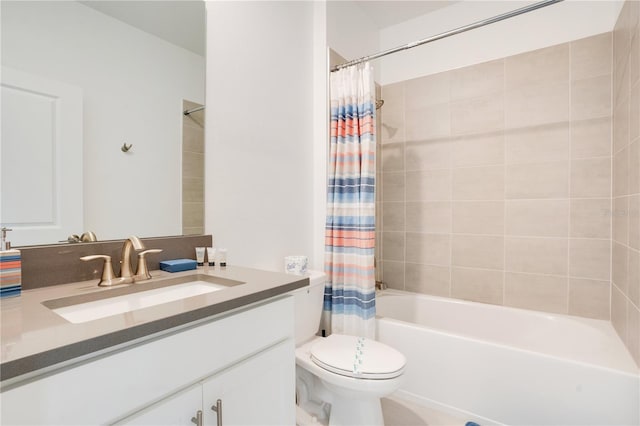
125	147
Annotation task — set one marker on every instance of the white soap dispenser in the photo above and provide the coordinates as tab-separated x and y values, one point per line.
4	244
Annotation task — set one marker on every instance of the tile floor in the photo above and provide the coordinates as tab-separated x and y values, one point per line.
399	412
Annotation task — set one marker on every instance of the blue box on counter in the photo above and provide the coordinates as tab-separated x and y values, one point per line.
178	265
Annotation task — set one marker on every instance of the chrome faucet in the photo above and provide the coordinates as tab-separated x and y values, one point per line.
126	270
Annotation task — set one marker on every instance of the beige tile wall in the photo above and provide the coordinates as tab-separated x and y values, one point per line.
496	181
625	296
192	170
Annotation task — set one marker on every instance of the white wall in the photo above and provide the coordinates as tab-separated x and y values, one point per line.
350	32
555	24
259	189
133	85
320	130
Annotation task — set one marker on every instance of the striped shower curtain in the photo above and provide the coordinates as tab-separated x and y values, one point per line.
349	299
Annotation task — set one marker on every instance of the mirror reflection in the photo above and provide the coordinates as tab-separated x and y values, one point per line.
93	132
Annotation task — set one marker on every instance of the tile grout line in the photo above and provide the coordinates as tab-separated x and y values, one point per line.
451	216
404	183
569	194
612	101
504	185
627	192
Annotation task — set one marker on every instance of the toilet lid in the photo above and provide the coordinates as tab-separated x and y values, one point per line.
357	357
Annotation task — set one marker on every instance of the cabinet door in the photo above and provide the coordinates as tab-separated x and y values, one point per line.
257	391
175	410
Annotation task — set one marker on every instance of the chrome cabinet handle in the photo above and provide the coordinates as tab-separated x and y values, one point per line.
197	419
218	410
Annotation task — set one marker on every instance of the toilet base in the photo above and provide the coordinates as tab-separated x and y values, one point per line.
356	412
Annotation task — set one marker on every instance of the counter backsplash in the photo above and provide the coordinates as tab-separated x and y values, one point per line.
44	266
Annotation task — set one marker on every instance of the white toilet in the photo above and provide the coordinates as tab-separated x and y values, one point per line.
340	377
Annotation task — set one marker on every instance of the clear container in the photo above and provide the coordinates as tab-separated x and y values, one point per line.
200	256
211	256
222	257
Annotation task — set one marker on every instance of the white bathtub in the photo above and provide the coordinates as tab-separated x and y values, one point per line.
502	365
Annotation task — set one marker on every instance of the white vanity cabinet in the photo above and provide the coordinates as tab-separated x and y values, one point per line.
256	391
245	358
174	410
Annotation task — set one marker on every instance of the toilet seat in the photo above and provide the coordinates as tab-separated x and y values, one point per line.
357	357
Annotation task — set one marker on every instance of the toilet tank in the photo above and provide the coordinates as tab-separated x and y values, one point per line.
308	305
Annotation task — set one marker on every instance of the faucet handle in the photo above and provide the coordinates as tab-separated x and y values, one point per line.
108	278
142	272
88	236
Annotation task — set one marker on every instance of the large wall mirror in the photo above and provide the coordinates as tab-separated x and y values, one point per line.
81	82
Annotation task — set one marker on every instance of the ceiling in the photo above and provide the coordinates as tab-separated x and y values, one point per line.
181	22
391	12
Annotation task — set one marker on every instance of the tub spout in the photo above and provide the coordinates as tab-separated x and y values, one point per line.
380	285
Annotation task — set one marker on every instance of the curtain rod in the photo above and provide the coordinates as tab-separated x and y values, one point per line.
446	34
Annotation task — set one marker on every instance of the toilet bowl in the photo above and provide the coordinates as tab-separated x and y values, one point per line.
340	377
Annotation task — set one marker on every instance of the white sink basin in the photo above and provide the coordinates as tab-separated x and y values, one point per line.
97	309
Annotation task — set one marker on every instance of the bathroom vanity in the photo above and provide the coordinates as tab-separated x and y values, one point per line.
224	357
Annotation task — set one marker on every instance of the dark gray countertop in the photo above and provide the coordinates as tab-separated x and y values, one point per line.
34	337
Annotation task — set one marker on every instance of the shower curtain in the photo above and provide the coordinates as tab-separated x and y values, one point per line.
349	299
